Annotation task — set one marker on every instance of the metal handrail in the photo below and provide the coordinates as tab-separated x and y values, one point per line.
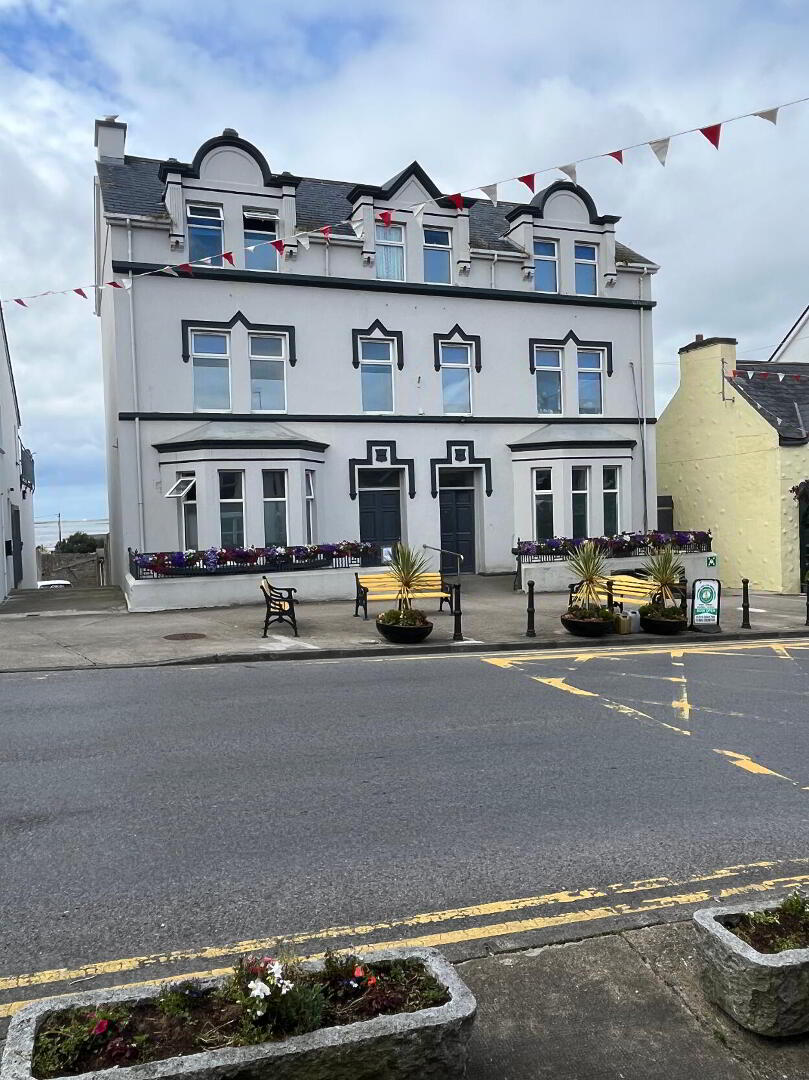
444	551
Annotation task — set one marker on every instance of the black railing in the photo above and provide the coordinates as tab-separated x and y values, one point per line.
217	563
531	552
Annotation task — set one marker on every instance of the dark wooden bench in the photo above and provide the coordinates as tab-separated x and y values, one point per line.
280	606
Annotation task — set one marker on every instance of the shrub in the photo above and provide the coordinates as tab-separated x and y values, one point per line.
405	617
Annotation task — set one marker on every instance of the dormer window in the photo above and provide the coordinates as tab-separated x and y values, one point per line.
205	234
390	252
586	256
438	256
546	278
259	232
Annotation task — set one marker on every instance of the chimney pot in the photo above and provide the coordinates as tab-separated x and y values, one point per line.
231	132
698	337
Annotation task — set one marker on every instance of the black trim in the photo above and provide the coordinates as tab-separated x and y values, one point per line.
392	461
575	444
411	171
536	208
207	324
226	457
377	324
318	281
559	343
700	344
270	178
446	339
469	459
360	418
241	444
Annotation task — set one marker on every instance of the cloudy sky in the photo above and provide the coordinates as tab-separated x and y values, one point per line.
475	90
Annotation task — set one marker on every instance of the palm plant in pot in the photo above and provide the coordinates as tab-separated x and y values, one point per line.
587	615
405	625
663	615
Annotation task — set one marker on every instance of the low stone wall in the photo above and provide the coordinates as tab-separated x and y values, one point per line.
223	590
77	568
556	576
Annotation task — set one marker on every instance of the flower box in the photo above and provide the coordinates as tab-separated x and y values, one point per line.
429	1043
764	992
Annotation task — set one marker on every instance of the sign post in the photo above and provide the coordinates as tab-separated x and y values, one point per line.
706	596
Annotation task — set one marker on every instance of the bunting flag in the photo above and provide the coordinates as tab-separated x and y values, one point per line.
303	240
660	147
80	292
186	268
173	272
117	284
712	133
457	201
569	170
528	180
386	217
326	230
358	227
768	114
22	303
490	191
418	213
278	245
228	257
750	374
618	155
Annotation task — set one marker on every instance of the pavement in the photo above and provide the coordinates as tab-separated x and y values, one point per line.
83	628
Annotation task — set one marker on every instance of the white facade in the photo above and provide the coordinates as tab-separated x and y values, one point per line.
395	404
17	548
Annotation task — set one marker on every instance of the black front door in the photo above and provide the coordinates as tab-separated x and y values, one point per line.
16	545
380	506
458	519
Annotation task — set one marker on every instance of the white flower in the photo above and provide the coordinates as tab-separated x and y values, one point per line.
276	969
258	989
285	986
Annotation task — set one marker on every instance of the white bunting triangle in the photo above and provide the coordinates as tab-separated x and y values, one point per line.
170	270
778	420
418	213
303	240
660	147
780	376
357	226
569	170
490	191
768	114
750	374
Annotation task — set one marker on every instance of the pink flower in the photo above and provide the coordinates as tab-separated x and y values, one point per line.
372	980
358	972
101	1027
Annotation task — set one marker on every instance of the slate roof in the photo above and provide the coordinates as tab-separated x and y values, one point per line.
133	186
785	400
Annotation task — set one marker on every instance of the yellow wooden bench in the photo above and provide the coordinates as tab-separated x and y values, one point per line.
621	588
385	587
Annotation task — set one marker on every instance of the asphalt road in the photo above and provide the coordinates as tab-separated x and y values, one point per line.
143	811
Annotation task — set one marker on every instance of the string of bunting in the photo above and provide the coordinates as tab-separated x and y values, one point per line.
659	147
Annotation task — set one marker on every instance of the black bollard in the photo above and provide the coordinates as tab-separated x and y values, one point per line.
807	602
456	611
530	632
745	603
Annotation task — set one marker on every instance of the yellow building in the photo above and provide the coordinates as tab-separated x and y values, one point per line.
731	444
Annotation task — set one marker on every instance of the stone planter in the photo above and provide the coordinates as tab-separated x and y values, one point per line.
764	992
404	635
428	1044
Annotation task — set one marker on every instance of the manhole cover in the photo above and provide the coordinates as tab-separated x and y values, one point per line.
183	637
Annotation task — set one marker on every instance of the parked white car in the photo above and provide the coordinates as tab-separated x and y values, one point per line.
57	583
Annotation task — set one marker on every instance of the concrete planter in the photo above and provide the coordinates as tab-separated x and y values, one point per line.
428	1044
765	992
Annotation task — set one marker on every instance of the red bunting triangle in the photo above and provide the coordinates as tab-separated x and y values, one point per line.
80	292
117	284
386	217
187	268
711	133
457	201
528	180
326	230
279	246
22	303
228	257
618	155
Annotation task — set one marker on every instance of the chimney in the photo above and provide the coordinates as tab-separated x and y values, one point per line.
110	138
701	342
698	338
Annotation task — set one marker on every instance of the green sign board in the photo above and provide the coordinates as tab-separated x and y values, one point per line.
710	561
706	594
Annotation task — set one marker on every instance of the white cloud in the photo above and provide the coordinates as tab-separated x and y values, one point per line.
474	90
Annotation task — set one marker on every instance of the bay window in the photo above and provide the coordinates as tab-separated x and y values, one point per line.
310	505
275	507
231	508
543	503
611	493
579	478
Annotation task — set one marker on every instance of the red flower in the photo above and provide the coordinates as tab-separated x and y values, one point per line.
372	980
101	1027
358	972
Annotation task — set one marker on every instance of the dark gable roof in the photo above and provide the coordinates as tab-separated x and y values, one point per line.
133	186
784	399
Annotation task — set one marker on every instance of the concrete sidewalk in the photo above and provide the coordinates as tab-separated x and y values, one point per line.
58	629
624	1006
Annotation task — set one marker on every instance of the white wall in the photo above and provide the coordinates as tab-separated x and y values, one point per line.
11	492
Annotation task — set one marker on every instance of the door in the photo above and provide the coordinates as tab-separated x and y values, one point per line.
380	506
457	506
803	540
16	545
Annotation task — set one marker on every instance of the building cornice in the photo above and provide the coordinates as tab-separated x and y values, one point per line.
353	418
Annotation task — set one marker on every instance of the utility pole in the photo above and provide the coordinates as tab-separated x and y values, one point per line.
59	526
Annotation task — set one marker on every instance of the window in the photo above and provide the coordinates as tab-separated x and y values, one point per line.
578	487
610	489
589	373
190	536
205	234
548	364
211	363
231	509
259	232
267	372
275	507
376	375
586	269
545	257
310	506
179	489
390	252
438	256
456	378
543	504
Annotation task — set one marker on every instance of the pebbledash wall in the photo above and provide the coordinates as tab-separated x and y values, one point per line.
18	568
323	302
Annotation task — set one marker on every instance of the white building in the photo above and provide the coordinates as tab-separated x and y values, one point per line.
18	564
461	378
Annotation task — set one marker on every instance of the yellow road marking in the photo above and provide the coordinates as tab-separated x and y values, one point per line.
628	711
503	929
747	763
720	648
560	684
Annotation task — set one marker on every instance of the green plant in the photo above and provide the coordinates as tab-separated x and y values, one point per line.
589	565
795	904
590	613
408	568
76	543
665	571
405	617
658	611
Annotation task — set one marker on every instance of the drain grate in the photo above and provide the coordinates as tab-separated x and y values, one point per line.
183	637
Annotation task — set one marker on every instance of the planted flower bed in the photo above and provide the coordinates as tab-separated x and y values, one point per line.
404	1013
626	544
271	559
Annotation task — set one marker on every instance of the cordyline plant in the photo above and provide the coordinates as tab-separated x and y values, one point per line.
408	568
665	571
589	565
